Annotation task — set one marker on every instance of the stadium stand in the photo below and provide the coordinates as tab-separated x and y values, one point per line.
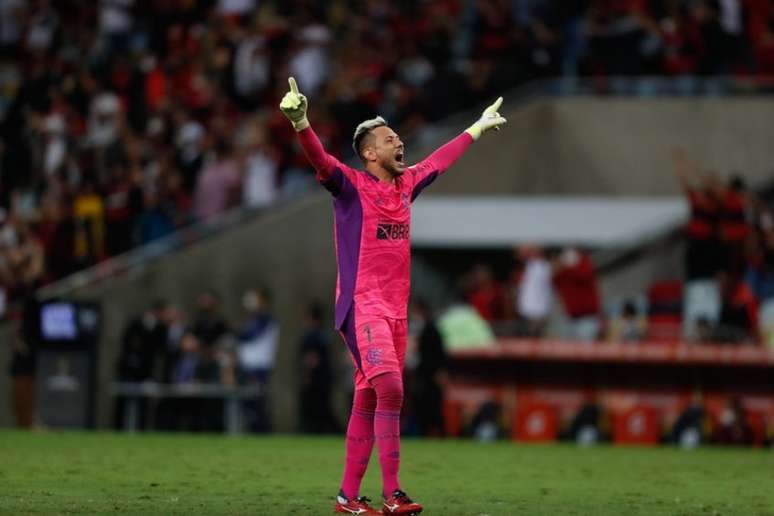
169	119
171	122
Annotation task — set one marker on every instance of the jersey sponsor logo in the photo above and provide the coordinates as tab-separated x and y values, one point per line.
392	231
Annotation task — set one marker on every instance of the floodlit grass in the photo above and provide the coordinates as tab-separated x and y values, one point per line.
102	473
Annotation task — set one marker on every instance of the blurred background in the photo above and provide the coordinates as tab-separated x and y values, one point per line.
601	269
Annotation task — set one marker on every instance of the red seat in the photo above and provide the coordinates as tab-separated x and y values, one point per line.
665	301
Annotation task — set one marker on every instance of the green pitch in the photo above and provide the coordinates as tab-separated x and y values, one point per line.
82	473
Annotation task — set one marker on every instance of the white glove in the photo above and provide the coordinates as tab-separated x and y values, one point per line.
293	105
490	119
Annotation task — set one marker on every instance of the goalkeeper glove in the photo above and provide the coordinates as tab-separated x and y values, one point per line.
293	105
490	119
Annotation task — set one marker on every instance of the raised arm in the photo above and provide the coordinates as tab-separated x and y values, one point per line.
444	157
682	168
294	107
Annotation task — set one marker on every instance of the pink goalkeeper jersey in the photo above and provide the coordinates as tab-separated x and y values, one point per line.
372	226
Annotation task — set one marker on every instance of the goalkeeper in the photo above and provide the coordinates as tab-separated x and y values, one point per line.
372	218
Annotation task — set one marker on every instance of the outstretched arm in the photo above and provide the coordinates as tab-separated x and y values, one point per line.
685	170
294	107
444	157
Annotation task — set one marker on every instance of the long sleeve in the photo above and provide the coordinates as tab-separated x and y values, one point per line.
427	170
329	171
445	156
322	162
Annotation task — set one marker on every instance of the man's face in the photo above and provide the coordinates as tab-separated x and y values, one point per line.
386	149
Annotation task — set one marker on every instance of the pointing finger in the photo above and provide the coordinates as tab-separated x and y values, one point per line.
294	86
497	104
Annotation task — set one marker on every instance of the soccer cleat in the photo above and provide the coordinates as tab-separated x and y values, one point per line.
400	503
355	506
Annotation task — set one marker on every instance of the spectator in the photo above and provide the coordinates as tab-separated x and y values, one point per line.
431	371
176	328
309	61
629	326
187	367
144	341
42	27
219	185
316	376
155	221
123	201
575	280
617	37
256	354
738	322
462	327
209	325
105	120
251	69
760	270
189	156
12	14
57	233
533	290
259	189
701	297
734	228
115	24
485	294
193	365
762	35
21	259
732	427
89	212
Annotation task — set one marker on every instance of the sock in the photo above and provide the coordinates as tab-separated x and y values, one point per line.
389	399
360	441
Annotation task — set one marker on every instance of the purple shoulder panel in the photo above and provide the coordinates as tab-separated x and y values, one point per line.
348	215
429	178
335	183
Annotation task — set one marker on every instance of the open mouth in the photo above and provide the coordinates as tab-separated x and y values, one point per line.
399	157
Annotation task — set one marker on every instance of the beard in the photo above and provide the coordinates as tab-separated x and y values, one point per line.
394	166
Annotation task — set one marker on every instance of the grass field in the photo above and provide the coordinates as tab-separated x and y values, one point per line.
100	473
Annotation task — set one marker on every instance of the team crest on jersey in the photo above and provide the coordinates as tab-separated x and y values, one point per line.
374	356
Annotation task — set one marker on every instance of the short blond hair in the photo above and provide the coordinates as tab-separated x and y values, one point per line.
363	129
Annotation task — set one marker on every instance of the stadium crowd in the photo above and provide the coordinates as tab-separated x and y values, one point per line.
725	296
163	345
124	120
